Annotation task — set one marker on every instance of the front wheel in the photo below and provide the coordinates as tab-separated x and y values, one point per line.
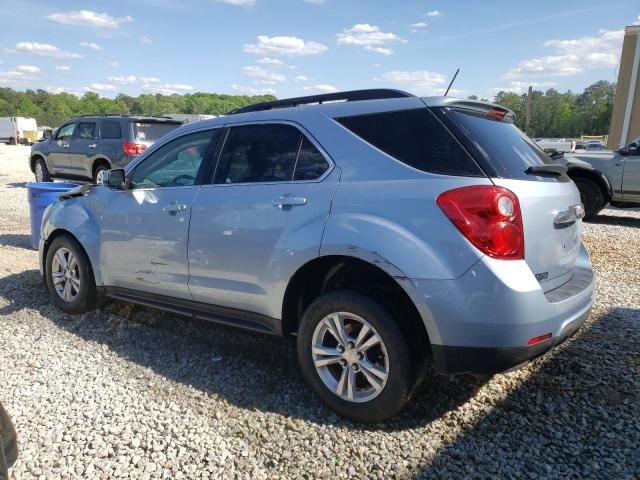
69	276
354	357
41	172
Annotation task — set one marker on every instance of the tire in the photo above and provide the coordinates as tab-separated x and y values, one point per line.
12	141
100	168
591	196
41	171
391	354
82	294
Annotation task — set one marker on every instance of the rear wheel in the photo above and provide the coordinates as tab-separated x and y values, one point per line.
69	276
354	357
591	196
99	168
41	172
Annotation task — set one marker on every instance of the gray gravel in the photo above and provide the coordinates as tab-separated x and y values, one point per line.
128	392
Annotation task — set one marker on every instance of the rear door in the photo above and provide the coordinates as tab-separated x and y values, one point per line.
58	160
550	204
82	148
631	174
262	216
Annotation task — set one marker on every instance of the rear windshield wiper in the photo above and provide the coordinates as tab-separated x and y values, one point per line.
550	169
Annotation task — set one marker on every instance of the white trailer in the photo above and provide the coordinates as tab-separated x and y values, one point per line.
18	130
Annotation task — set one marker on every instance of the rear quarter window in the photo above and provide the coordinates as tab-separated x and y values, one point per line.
415	137
110	130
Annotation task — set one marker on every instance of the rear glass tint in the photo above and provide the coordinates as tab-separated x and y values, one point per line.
110	130
502	146
152	131
415	137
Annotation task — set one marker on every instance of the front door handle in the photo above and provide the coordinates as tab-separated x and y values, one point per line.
286	202
93	145
65	145
174	208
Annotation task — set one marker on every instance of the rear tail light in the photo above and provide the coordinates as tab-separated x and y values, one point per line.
541	338
489	217
133	148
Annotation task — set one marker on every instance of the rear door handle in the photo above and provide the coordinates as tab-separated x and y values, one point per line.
93	145
285	201
65	145
174	208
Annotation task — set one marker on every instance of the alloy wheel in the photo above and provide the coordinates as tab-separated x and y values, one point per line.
65	273
39	172
350	357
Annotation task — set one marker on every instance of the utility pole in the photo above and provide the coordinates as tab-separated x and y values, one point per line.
528	121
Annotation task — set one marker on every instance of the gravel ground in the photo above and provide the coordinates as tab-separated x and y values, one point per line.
128	392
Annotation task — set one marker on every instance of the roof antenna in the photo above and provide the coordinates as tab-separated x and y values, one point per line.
451	83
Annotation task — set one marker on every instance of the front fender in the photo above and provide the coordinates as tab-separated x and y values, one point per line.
79	219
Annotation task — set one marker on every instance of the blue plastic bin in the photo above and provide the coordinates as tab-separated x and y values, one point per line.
42	194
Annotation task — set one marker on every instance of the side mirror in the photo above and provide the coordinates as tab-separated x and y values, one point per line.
47	134
112	178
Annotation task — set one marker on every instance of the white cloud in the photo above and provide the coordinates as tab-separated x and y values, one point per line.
112	64
422	82
290	46
433	13
573	56
370	37
123	80
239	3
28	69
45	50
523	86
63	68
101	87
315	2
322	88
271	61
418	25
246	90
301	78
91	45
259	72
89	18
149	79
153	85
146	40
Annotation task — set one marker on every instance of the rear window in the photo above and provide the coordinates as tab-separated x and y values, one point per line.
152	131
415	137
500	147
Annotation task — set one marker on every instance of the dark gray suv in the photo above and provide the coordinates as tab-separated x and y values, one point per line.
84	146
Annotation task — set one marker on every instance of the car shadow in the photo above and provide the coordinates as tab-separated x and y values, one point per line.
573	420
204	355
16	240
616	221
16	184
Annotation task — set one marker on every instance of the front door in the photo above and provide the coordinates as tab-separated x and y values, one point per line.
260	219
145	228
58	160
631	174
82	148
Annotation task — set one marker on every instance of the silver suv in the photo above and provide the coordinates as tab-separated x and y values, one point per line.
394	236
85	146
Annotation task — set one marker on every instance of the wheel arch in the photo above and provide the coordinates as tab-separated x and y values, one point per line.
97	162
595	176
60	232
333	272
32	161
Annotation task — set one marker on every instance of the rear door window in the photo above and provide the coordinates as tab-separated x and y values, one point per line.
151	131
110	130
415	137
311	164
259	153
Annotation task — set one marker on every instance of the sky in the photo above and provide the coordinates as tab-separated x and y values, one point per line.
300	47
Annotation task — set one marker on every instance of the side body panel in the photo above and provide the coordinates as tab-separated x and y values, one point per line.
631	179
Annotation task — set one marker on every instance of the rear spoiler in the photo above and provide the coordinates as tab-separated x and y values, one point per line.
486	110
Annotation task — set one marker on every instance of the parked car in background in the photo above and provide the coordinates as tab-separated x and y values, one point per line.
85	146
606	177
8	444
18	130
389	233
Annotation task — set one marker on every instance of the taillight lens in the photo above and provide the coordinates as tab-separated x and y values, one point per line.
489	217
133	148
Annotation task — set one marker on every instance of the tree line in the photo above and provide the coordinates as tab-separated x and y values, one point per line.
553	114
52	109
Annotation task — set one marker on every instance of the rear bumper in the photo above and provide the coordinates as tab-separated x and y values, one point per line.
489	360
482	321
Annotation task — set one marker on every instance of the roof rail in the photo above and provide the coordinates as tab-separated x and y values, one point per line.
126	115
350	96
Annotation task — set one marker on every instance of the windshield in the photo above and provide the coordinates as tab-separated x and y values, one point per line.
501	146
152	131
